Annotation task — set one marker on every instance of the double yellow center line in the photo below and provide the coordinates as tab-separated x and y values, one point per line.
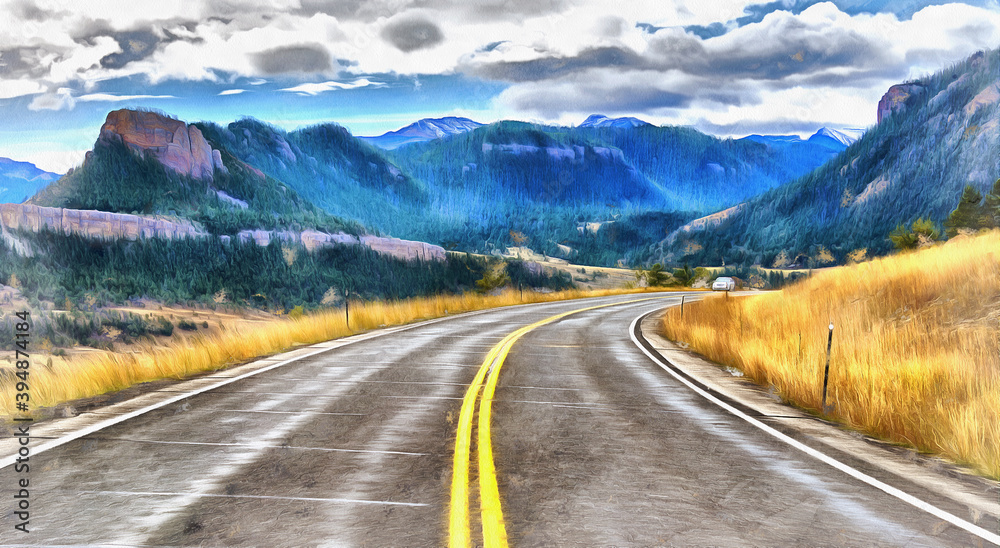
494	531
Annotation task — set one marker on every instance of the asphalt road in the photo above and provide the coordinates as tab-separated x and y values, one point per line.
594	445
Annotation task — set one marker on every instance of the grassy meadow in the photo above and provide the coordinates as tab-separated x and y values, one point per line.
916	346
100	372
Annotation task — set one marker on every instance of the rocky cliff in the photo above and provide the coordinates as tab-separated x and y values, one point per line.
109	226
312	240
894	100
175	144
94	224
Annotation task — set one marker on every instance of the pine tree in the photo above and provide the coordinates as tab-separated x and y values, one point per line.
655	276
992	206
970	213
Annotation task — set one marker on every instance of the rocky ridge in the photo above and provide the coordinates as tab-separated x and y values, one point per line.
894	100
177	145
111	226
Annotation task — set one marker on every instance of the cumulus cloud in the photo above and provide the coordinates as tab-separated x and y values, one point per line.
134	45
685	61
232	91
307	58
824	64
62	99
597	90
412	34
17	88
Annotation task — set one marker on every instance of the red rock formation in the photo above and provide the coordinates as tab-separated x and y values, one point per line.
177	145
894	100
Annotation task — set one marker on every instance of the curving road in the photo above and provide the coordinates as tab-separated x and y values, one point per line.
594	444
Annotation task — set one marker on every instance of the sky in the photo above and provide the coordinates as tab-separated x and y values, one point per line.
725	67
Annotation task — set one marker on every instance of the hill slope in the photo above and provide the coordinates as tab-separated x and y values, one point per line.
598	194
935	136
149	163
329	167
476	188
893	377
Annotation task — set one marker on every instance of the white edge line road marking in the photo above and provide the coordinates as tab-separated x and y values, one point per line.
857	474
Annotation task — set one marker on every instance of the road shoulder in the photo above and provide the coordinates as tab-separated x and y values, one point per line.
979	496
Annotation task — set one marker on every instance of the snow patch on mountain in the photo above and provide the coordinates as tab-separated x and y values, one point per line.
602	121
423	130
844	136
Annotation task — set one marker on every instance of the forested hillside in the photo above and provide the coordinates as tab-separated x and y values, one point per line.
594	194
941	133
72	270
601	193
329	167
118	179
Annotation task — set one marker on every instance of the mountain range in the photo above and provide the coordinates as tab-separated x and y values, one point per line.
607	191
423	130
456	182
600	120
21	180
470	187
935	136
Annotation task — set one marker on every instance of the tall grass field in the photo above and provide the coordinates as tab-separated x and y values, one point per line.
103	372
916	346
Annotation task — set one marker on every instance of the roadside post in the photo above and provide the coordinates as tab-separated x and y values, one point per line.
347	309
682	307
826	372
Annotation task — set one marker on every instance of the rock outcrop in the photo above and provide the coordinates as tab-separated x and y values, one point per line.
894	100
175	144
313	240
404	249
94	224
112	226
705	223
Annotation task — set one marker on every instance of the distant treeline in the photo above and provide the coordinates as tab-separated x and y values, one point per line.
73	271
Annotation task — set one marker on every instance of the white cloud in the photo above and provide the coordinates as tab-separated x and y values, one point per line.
56	161
820	67
62	99
232	91
93	97
214	40
17	88
321	87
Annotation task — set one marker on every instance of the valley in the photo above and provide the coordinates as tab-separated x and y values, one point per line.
297	297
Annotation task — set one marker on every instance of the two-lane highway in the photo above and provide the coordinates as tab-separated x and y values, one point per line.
593	445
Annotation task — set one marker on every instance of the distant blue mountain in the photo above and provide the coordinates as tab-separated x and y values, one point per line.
915	164
420	131
839	138
21	180
600	120
834	139
812	152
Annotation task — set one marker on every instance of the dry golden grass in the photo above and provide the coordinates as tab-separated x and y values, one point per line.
100	372
916	346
